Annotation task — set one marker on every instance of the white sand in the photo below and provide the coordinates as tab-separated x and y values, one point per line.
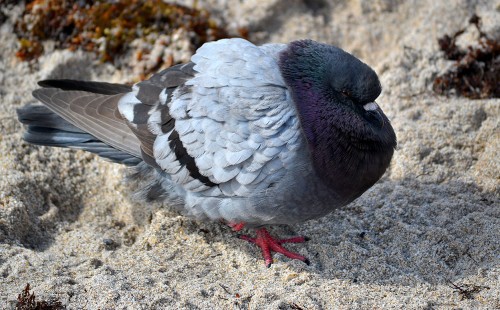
433	220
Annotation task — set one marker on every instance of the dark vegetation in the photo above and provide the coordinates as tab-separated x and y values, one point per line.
27	301
108	27
476	71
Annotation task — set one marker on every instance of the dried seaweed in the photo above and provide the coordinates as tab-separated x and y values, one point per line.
476	71
107	27
26	301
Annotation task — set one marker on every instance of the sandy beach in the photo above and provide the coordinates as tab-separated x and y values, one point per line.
426	236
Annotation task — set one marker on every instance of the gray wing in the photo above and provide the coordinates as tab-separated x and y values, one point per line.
233	134
235	118
225	136
93	108
238	121
147	102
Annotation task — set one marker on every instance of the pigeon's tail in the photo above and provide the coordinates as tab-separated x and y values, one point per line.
81	115
45	127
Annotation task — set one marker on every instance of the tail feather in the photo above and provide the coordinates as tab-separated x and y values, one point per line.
41	116
96	114
102	88
44	127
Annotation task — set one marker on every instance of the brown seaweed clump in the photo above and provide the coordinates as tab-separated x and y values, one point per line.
27	301
107	27
476	72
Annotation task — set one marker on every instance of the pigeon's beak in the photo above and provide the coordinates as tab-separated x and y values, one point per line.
373	111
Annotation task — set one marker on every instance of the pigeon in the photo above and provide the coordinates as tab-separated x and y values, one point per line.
249	135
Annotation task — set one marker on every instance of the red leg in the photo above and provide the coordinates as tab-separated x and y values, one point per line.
236	226
268	244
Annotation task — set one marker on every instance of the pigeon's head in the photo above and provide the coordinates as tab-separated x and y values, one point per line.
334	90
350	139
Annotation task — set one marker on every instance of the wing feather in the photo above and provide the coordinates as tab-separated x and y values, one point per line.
223	125
232	116
80	108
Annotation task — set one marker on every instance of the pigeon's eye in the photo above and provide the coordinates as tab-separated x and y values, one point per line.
346	93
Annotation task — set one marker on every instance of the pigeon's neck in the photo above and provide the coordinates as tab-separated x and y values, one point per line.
344	167
345	156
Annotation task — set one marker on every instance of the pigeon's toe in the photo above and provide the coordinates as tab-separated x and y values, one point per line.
269	244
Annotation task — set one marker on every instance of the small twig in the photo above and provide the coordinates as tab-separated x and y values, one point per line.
225	289
466	291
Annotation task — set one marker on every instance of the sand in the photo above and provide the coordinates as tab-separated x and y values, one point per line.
427	236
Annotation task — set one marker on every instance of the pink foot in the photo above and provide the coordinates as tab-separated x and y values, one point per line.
236	226
268	244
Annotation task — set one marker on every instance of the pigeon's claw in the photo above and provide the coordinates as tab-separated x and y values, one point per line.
269	244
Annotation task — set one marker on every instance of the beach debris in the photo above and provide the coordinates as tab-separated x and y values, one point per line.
476	71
